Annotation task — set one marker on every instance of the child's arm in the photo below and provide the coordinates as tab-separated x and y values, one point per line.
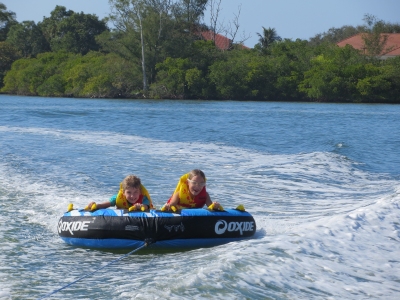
145	203
174	201
138	206
99	205
209	202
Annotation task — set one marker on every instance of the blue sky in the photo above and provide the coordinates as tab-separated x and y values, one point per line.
291	18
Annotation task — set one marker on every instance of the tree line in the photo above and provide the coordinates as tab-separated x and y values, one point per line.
155	50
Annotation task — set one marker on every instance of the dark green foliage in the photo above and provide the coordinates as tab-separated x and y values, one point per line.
72	32
268	37
66	74
335	35
372	24
187	77
290	59
156	44
28	38
342	74
7	19
243	75
8	54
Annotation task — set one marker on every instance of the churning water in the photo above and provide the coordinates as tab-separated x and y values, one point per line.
321	180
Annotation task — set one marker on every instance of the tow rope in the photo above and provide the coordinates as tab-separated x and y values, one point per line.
145	244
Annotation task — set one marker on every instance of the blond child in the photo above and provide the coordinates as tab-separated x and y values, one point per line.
132	195
191	192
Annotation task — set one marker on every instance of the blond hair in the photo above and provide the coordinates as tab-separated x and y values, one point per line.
196	172
131	181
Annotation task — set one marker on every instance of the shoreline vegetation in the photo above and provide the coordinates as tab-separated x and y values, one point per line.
158	52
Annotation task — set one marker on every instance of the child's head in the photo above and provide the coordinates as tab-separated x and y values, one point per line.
131	187
196	181
197	172
131	181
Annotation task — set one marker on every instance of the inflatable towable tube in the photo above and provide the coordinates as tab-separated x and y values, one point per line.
188	228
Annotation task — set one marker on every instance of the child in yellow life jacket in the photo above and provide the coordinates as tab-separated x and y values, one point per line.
191	192
132	195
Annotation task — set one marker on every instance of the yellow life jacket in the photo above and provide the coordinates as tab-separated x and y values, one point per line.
185	198
121	201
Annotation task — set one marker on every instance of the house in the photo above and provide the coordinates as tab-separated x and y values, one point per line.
391	48
221	42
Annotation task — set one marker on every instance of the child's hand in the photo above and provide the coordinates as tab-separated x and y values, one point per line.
216	206
91	206
166	207
138	206
169	207
143	207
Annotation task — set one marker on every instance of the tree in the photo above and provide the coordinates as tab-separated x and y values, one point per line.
334	74
7	19
28	38
72	32
189	13
374	85
187	77
172	76
99	75
374	38
143	21
66	74
268	37
290	59
391	71
8	54
229	29
243	75
335	35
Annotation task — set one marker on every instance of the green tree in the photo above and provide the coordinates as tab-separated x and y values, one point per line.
28	38
67	74
72	32
8	54
172	76
374	85
391	71
335	35
188	13
371	26
149	31
289	60
14	83
141	22
202	55
7	19
190	73
98	75
243	75
374	38
333	75
268	37
112	77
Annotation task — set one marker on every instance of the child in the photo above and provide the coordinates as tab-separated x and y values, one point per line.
131	194
191	192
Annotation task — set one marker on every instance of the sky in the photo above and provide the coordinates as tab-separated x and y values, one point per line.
291	19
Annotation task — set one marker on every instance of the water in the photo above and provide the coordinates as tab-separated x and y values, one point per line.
321	180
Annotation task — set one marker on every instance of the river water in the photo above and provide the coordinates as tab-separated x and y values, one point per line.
321	180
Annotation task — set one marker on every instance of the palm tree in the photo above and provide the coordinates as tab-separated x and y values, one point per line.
268	37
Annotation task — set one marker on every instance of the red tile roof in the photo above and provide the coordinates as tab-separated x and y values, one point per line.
392	47
221	42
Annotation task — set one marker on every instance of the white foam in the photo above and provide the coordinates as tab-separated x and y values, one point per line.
325	227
